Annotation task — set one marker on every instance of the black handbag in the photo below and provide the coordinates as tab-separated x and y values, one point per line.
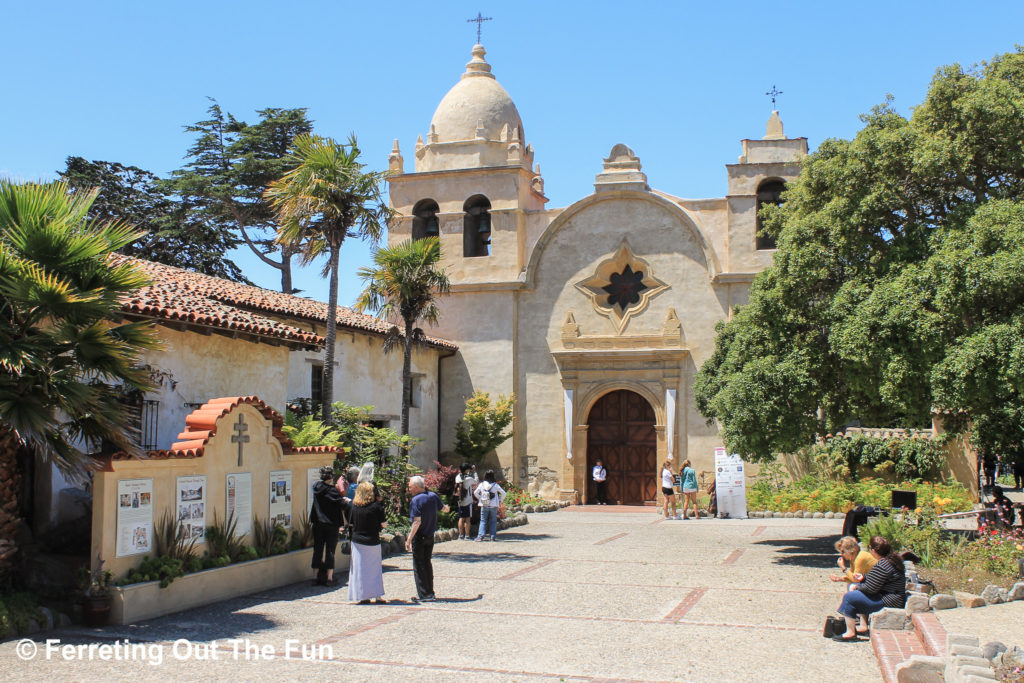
834	626
346	542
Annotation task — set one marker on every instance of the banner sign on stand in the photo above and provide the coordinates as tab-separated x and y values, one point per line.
730	485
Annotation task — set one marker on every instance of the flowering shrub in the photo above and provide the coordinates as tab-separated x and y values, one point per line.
994	550
442	479
516	497
816	494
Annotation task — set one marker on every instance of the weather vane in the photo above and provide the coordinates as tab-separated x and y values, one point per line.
479	20
773	93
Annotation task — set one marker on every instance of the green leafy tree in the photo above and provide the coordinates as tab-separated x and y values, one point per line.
322	200
173	235
482	427
64	359
230	165
896	288
404	284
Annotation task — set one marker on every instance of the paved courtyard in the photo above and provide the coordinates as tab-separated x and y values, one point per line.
583	594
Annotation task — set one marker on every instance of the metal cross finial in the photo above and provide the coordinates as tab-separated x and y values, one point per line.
773	93
479	19
241	437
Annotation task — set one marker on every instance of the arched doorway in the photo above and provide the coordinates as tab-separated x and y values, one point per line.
621	433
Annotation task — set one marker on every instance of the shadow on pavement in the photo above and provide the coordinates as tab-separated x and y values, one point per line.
816	553
516	536
485	557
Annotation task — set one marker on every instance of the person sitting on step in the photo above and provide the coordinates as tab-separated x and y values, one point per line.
854	562
884	586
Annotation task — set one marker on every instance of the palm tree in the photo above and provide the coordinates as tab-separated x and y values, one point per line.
64	358
325	198
404	282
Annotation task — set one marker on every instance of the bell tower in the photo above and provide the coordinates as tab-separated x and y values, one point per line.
473	182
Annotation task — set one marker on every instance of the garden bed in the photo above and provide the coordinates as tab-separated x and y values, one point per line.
139	601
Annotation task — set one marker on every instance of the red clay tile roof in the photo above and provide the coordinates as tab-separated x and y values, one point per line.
200	426
179	294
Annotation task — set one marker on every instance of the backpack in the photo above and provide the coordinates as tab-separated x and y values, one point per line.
485	493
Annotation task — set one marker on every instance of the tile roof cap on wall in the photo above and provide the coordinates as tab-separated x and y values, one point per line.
178	294
201	426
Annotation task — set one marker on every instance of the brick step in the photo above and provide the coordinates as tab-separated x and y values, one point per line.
895	647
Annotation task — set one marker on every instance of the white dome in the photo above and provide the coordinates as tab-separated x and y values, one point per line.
477	100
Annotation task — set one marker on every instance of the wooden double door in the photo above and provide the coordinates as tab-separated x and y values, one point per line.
621	433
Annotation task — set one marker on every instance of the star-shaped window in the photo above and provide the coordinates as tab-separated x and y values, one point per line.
621	287
625	287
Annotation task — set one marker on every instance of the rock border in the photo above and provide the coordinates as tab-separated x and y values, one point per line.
394	544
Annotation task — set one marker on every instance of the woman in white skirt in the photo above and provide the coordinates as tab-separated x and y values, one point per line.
365	573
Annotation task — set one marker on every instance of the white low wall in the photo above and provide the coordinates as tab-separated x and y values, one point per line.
140	601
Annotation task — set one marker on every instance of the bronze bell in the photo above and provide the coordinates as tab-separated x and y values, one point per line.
432	228
485	224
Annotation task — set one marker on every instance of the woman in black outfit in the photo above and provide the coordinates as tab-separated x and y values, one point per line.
365	572
884	586
325	514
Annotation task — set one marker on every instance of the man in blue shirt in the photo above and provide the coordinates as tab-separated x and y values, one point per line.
423	513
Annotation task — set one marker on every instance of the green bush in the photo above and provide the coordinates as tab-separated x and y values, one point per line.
16	610
845	458
163	569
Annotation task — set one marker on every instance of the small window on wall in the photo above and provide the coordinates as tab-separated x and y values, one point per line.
424	219
476	226
768	192
316	385
416	400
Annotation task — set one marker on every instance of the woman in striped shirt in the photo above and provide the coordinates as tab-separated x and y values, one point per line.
884	586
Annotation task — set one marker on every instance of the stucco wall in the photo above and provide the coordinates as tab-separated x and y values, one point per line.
668	241
365	375
212	366
262	455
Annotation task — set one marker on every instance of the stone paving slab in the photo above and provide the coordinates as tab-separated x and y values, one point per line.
1004	623
576	595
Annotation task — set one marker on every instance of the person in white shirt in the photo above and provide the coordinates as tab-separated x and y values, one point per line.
465	482
600	476
668	488
489	495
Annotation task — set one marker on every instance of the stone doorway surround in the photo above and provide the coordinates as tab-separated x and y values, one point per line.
592	366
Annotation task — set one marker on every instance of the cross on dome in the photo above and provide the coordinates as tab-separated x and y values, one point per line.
479	20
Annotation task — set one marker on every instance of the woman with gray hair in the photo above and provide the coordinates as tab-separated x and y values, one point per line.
366	476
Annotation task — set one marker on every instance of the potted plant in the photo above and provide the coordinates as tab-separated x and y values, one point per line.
96	594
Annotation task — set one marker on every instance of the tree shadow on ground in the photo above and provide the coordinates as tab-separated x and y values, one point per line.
514	536
815	553
499	556
441	599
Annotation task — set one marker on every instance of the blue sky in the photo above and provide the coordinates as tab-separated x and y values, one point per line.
681	83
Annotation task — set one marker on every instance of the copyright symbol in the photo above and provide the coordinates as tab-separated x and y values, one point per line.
26	649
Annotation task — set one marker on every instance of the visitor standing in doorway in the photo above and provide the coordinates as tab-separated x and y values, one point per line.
465	484
325	514
600	476
668	482
489	494
423	513
688	486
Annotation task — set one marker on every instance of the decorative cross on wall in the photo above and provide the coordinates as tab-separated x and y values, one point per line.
773	93
480	19
240	437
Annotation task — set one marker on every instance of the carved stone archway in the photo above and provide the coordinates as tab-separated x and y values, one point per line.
592	366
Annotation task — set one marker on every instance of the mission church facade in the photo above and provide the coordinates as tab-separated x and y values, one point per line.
596	316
